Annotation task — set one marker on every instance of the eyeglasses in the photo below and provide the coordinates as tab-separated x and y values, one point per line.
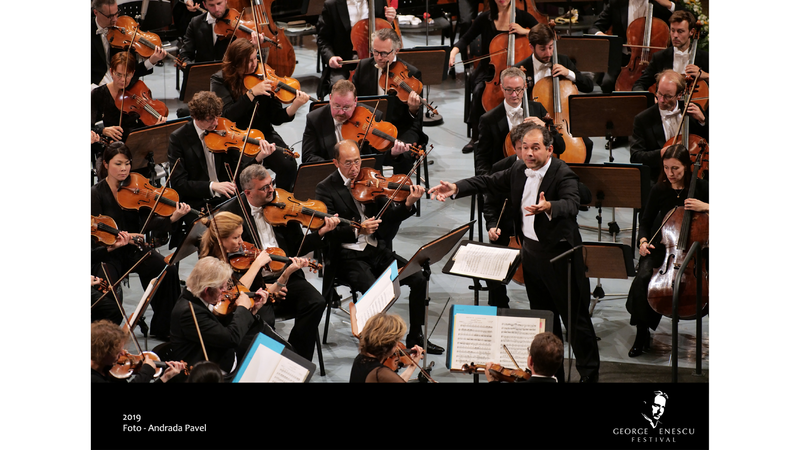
349	164
267	187
121	75
665	97
513	91
109	16
382	54
342	108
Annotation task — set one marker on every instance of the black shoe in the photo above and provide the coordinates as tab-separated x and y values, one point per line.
433	349
590	378
641	343
469	148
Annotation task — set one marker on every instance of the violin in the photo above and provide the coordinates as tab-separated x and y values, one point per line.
286	88
136	192
681	228
553	93
498	371
371	184
507	51
285	208
243	259
128	364
398	359
361	32
398	80
381	135
126	34
224	28
138	99
105	230
226	137
643	34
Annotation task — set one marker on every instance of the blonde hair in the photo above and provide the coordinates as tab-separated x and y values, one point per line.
227	223
208	272
380	334
107	337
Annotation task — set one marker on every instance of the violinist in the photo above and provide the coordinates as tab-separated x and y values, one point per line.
496	124
224	339
487	25
670	191
324	126
360	256
238	103
380	340
544	199
103	101
121	256
201	177
108	341
333	36
406	117
545	357
681	25
654	126
303	301
617	15
541	65
105	15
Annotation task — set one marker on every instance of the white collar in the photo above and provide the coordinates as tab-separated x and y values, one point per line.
674	111
510	109
210	19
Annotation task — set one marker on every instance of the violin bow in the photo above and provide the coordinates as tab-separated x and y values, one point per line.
440	317
253	230
369	124
421	370
244	144
199	335
124	314
159	195
512	358
113	286
215	231
403	181
122	88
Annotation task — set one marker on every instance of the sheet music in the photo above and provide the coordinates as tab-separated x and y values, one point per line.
380	294
473	336
516	333
261	366
289	371
490	263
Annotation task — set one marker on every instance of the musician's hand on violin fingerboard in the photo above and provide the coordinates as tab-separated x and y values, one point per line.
158	54
180	211
266	150
123	239
301	98
390	13
414	102
263	88
263	259
225	188
416	193
173	368
330	224
399	147
297	264
369	226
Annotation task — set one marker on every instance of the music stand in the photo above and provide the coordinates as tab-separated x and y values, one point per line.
141	307
609	115
190	244
198	78
432	62
428	254
309	175
149	145
592	53
608	260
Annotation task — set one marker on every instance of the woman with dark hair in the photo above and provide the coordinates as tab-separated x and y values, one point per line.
380	339
119	257
205	372
103	107
487	25
241	60
669	192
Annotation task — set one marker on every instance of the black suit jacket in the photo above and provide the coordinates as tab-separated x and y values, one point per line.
648	138
493	131
99	64
584	83
319	136
663	60
198	42
333	29
615	16
560	187
190	177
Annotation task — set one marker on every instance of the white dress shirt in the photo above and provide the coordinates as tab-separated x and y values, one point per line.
530	196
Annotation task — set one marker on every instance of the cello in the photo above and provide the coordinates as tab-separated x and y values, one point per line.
692	142
643	34
679	230
514	50
361	32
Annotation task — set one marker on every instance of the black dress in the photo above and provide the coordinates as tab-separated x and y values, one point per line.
369	370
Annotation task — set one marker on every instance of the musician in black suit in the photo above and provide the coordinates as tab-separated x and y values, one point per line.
681	28
544	200
407	117
540	65
195	183
322	130
545	357
617	16
360	256
105	15
333	37
654	126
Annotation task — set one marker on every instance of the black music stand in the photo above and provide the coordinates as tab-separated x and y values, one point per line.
512	269
309	175
428	254
592	53
149	146
608	260
609	115
614	186
198	78
432	62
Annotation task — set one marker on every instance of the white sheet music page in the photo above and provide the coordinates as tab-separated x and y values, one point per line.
289	371
517	333
380	294
261	366
480	261
474	337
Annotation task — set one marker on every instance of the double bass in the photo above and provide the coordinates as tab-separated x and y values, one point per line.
680	229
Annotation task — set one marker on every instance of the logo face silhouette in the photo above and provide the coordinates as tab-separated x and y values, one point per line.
655	409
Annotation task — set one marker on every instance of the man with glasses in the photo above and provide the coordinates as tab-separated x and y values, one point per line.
654	126
303	302
407	117
541	65
105	15
360	255
323	126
